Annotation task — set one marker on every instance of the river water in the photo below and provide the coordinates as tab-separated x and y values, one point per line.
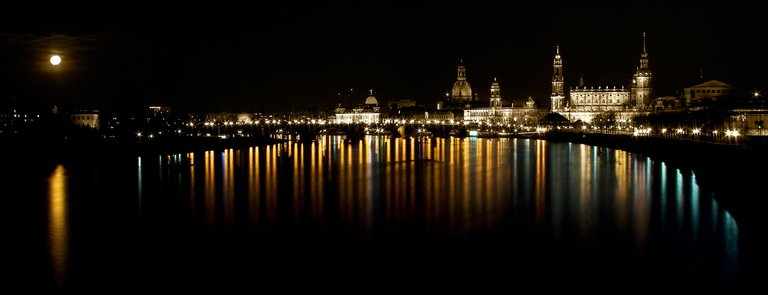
378	213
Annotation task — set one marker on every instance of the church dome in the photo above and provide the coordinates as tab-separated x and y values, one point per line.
371	100
461	90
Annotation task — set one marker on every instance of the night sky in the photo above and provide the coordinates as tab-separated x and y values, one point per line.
293	56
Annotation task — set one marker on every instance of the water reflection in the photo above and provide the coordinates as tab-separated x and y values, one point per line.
467	189
58	224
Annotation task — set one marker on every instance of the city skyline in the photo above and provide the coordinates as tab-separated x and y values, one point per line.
301	59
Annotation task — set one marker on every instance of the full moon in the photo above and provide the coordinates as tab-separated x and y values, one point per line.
55	60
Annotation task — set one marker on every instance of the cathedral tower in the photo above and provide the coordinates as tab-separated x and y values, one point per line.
557	83
641	82
495	94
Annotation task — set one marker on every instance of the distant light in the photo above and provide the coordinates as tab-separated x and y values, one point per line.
55	60
756	94
696	131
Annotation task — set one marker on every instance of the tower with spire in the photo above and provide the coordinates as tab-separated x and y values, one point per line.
641	81
461	90
495	94
558	96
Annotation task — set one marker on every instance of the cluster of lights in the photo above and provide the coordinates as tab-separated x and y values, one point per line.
732	133
642	131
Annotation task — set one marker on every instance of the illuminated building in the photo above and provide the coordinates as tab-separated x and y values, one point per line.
641	82
368	113
495	94
583	103
601	99
461	91
527	113
85	118
558	96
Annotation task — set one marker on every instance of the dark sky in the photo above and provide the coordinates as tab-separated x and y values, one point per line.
293	56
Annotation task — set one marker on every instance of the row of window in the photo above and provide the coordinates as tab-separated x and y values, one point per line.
610	101
711	91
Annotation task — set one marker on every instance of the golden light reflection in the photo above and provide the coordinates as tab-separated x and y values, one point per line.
228	189
271	174
58	224
541	181
470	186
318	199
254	185
210	189
641	214
298	181
584	180
466	162
621	166
191	158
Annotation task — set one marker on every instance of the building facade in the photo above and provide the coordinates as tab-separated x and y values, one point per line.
367	113
710	90
590	101
602	99
85	118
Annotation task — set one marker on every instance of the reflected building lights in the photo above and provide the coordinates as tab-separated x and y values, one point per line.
210	189
228	194
541	177
192	196
468	187
140	188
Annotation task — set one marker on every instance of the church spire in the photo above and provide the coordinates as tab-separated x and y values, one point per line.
644	56
557	81
462	71
641	82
